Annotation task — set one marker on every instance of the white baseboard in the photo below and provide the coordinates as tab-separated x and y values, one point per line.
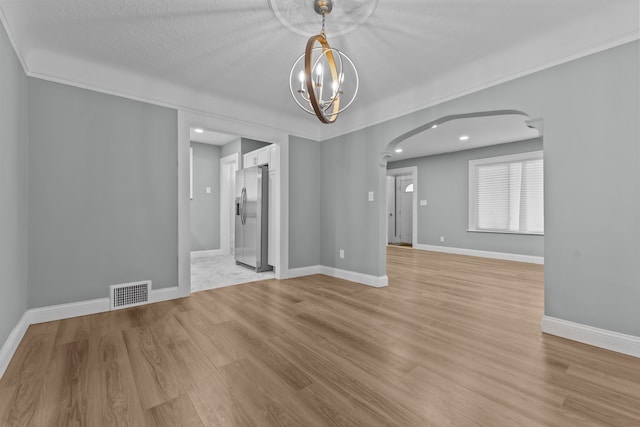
352	276
11	344
304	271
206	253
614	341
166	294
484	254
67	311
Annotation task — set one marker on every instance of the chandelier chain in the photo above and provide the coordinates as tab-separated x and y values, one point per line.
319	87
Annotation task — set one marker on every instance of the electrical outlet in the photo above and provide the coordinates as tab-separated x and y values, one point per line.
341	253
441	239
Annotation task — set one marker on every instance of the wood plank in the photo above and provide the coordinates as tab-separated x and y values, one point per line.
155	378
19	403
114	399
178	411
453	340
31	358
217	406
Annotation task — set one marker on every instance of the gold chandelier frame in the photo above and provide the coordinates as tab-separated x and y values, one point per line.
326	111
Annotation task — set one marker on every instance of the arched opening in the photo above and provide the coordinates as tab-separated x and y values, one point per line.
439	154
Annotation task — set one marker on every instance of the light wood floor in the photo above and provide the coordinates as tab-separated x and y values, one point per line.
453	341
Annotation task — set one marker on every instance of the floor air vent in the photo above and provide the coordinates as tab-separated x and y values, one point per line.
129	294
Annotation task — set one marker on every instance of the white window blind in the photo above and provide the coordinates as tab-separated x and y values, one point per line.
506	194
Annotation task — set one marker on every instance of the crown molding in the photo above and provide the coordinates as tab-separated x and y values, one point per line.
581	38
586	36
59	68
12	40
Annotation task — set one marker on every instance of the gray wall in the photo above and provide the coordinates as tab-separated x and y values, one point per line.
205	208
13	189
230	148
348	220
304	202
443	180
242	146
102	193
247	145
590	109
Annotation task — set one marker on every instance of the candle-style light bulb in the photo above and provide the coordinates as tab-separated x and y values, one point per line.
319	78
301	78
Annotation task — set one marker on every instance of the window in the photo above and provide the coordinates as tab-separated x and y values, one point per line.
506	194
409	188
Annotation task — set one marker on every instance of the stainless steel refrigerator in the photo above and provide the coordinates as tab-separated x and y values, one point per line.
251	219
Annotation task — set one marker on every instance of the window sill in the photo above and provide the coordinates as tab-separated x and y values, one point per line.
524	233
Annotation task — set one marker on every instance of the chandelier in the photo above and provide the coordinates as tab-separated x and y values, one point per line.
323	80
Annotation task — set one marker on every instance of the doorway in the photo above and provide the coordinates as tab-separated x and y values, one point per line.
400	209
188	120
213	212
401	206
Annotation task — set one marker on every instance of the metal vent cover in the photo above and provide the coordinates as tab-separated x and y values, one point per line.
127	295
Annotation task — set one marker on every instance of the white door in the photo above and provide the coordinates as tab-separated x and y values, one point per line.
391	209
404	209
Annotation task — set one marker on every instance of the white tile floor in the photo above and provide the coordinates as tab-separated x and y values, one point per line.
217	271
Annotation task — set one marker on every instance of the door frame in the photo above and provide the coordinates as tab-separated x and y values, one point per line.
413	171
188	119
228	164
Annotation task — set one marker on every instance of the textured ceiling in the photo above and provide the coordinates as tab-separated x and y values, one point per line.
232	57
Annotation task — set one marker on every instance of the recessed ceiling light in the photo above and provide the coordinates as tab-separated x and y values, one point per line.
434	126
198	130
398	150
464	137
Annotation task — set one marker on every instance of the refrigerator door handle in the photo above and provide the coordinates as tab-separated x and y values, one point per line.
243	212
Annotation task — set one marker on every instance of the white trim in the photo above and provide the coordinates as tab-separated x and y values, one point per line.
190	172
227	163
352	276
183	145
5	23
483	254
11	344
66	311
614	341
206	253
166	294
69	70
304	271
413	171
188	119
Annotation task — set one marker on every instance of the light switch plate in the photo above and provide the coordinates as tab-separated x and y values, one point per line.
208	190
423	203
371	196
